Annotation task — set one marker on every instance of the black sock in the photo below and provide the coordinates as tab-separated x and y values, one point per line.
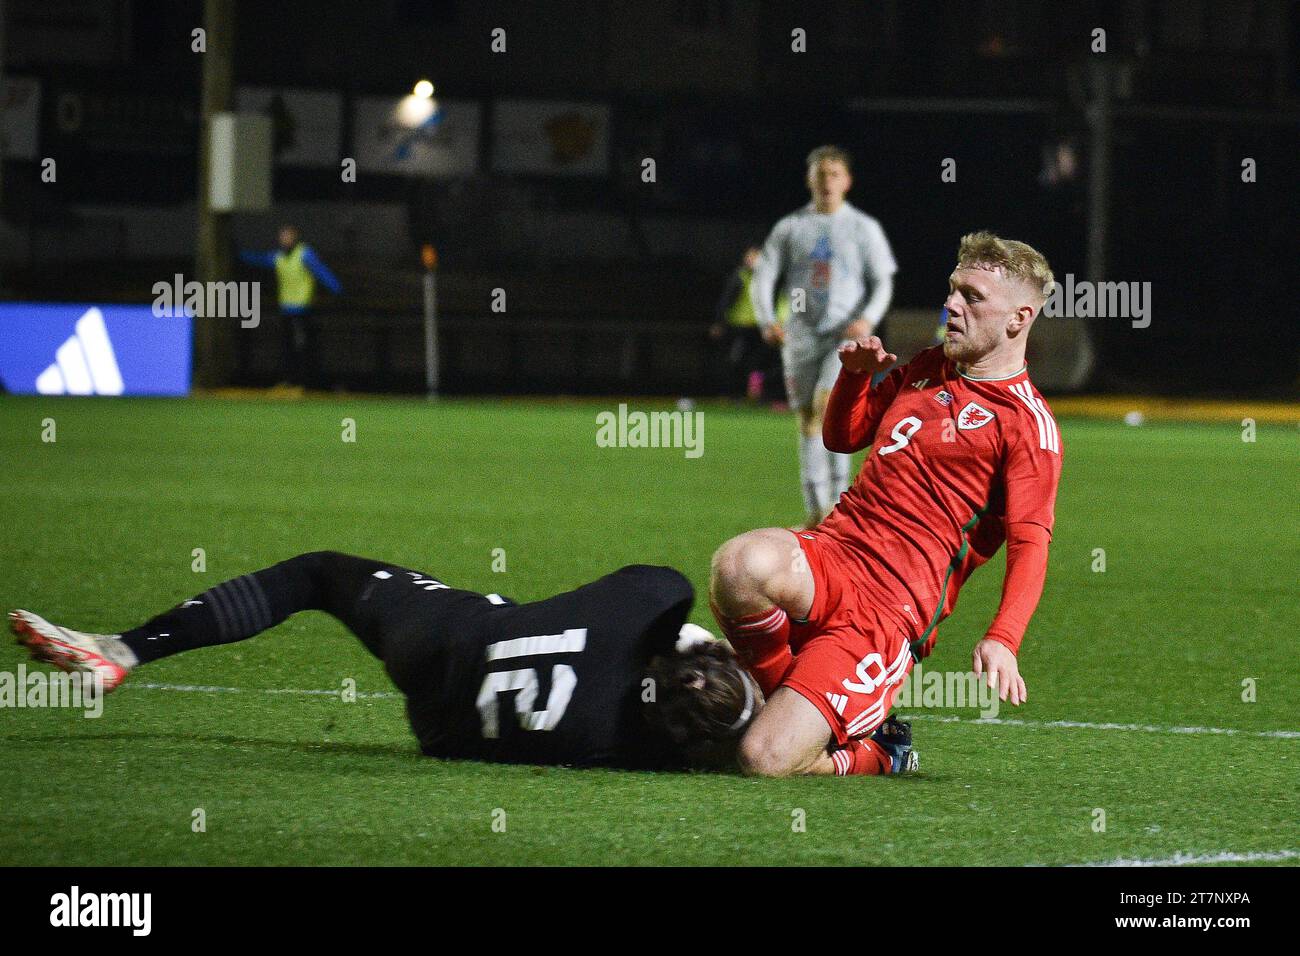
248	605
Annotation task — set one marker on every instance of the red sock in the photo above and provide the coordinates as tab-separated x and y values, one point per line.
762	642
861	756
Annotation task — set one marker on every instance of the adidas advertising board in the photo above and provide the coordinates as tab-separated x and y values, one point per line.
75	349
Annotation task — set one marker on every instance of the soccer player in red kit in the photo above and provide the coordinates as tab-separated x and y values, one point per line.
964	455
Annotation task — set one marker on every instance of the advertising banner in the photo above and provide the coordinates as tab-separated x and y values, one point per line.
73	349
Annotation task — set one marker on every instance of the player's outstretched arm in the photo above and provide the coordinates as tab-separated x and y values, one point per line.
321	271
854	409
263	260
1021	589
1031	473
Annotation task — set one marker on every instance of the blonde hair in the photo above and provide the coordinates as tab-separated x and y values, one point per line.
984	250
833	153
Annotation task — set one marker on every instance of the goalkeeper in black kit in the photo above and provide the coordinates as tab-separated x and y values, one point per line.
608	674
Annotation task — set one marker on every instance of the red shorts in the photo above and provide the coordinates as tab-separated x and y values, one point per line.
850	658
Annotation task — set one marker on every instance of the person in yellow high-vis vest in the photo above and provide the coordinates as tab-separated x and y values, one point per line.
297	270
752	367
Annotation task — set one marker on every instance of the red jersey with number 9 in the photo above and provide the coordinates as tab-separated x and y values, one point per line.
955	464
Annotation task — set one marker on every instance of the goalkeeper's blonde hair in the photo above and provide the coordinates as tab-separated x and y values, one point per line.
984	250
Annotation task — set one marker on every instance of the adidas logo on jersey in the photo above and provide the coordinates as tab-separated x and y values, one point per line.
973	416
85	363
838	702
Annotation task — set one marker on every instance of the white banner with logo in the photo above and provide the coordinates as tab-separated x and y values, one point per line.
415	136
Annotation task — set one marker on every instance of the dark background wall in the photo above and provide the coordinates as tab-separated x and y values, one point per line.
711	90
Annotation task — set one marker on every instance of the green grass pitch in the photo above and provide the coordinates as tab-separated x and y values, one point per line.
1199	594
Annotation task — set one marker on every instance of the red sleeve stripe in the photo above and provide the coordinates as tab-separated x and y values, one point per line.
1048	437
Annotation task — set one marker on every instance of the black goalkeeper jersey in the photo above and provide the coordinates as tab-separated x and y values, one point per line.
558	681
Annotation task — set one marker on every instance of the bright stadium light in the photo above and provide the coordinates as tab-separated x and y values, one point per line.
418	108
414	111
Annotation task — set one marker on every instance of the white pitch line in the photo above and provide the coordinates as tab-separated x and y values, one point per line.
202	689
1087	725
938	718
1191	859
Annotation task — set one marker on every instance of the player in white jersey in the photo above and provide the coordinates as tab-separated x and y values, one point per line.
837	269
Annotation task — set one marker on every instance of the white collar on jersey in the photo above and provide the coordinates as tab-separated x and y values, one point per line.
1000	378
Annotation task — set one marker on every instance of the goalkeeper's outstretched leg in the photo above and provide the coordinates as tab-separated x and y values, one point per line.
235	610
